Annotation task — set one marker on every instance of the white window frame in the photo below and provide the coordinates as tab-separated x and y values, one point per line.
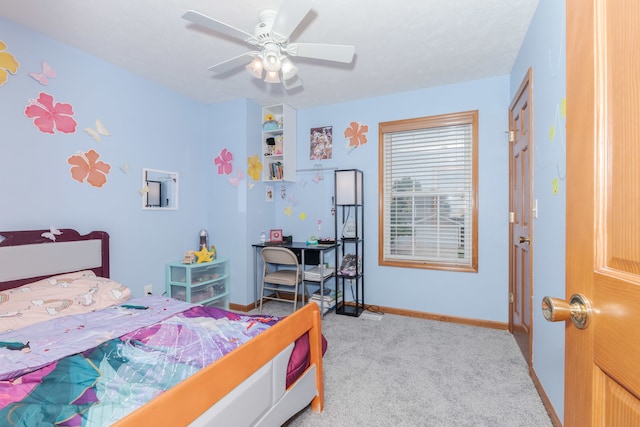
428	178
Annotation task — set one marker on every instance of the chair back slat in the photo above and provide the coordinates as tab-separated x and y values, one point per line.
282	256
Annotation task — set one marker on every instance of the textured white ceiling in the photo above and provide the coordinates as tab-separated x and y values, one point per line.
401	45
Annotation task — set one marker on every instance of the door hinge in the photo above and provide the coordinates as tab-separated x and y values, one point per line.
512	136
512	217
510	297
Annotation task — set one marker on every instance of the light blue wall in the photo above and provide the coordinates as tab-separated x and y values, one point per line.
544	50
235	214
150	126
480	296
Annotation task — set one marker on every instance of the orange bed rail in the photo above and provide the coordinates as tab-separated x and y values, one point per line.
185	402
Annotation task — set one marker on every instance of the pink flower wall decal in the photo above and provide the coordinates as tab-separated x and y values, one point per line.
223	161
49	116
355	133
86	165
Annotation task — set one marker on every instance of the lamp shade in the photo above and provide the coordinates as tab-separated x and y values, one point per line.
271	58
348	187
272	77
255	68
288	69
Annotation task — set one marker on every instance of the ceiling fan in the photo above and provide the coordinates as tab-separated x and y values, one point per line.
271	37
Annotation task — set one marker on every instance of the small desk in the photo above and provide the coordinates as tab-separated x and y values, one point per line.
307	255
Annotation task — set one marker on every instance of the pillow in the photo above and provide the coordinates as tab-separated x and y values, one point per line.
56	296
300	358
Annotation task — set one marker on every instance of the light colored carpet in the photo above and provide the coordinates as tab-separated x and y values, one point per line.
403	371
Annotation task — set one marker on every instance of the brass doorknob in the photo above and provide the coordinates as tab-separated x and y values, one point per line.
523	239
578	309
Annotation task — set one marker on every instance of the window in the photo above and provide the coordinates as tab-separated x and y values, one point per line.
428	187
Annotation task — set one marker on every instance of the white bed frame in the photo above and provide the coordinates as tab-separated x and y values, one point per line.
246	387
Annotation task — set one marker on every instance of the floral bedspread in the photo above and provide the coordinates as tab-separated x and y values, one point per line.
93	369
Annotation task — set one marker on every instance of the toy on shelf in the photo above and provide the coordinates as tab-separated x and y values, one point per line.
278	147
204	255
269	123
189	257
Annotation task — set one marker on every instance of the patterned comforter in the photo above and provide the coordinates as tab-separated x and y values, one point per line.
93	369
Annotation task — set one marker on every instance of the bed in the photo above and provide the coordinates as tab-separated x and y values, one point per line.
264	381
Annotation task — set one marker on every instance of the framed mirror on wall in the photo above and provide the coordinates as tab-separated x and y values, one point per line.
160	190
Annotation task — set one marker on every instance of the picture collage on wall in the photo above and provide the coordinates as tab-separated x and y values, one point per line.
321	143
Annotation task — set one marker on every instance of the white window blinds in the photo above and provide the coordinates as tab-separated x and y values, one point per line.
428	193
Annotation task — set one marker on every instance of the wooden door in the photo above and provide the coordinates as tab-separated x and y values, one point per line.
520	257
603	211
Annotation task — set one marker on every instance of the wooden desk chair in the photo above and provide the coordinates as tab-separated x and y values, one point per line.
276	279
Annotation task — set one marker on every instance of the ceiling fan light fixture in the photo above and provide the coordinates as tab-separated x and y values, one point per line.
272	77
255	68
288	69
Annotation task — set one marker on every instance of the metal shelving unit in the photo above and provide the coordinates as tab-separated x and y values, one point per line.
349	231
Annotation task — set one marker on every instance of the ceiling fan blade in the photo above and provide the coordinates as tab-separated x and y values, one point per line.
292	83
232	63
215	25
291	13
329	52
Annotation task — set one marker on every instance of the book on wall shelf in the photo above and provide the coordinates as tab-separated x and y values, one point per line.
277	171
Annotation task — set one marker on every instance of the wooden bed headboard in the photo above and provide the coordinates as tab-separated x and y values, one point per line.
26	256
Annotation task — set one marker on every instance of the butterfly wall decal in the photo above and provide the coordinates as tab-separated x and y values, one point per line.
318	177
144	190
125	168
46	74
236	179
294	201
51	234
99	131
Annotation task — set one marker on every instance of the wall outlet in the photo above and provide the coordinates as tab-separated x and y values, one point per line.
148	290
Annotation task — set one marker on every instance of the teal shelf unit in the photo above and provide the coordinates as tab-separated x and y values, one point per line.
205	283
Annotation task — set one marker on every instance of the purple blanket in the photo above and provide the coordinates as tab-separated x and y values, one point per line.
94	369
